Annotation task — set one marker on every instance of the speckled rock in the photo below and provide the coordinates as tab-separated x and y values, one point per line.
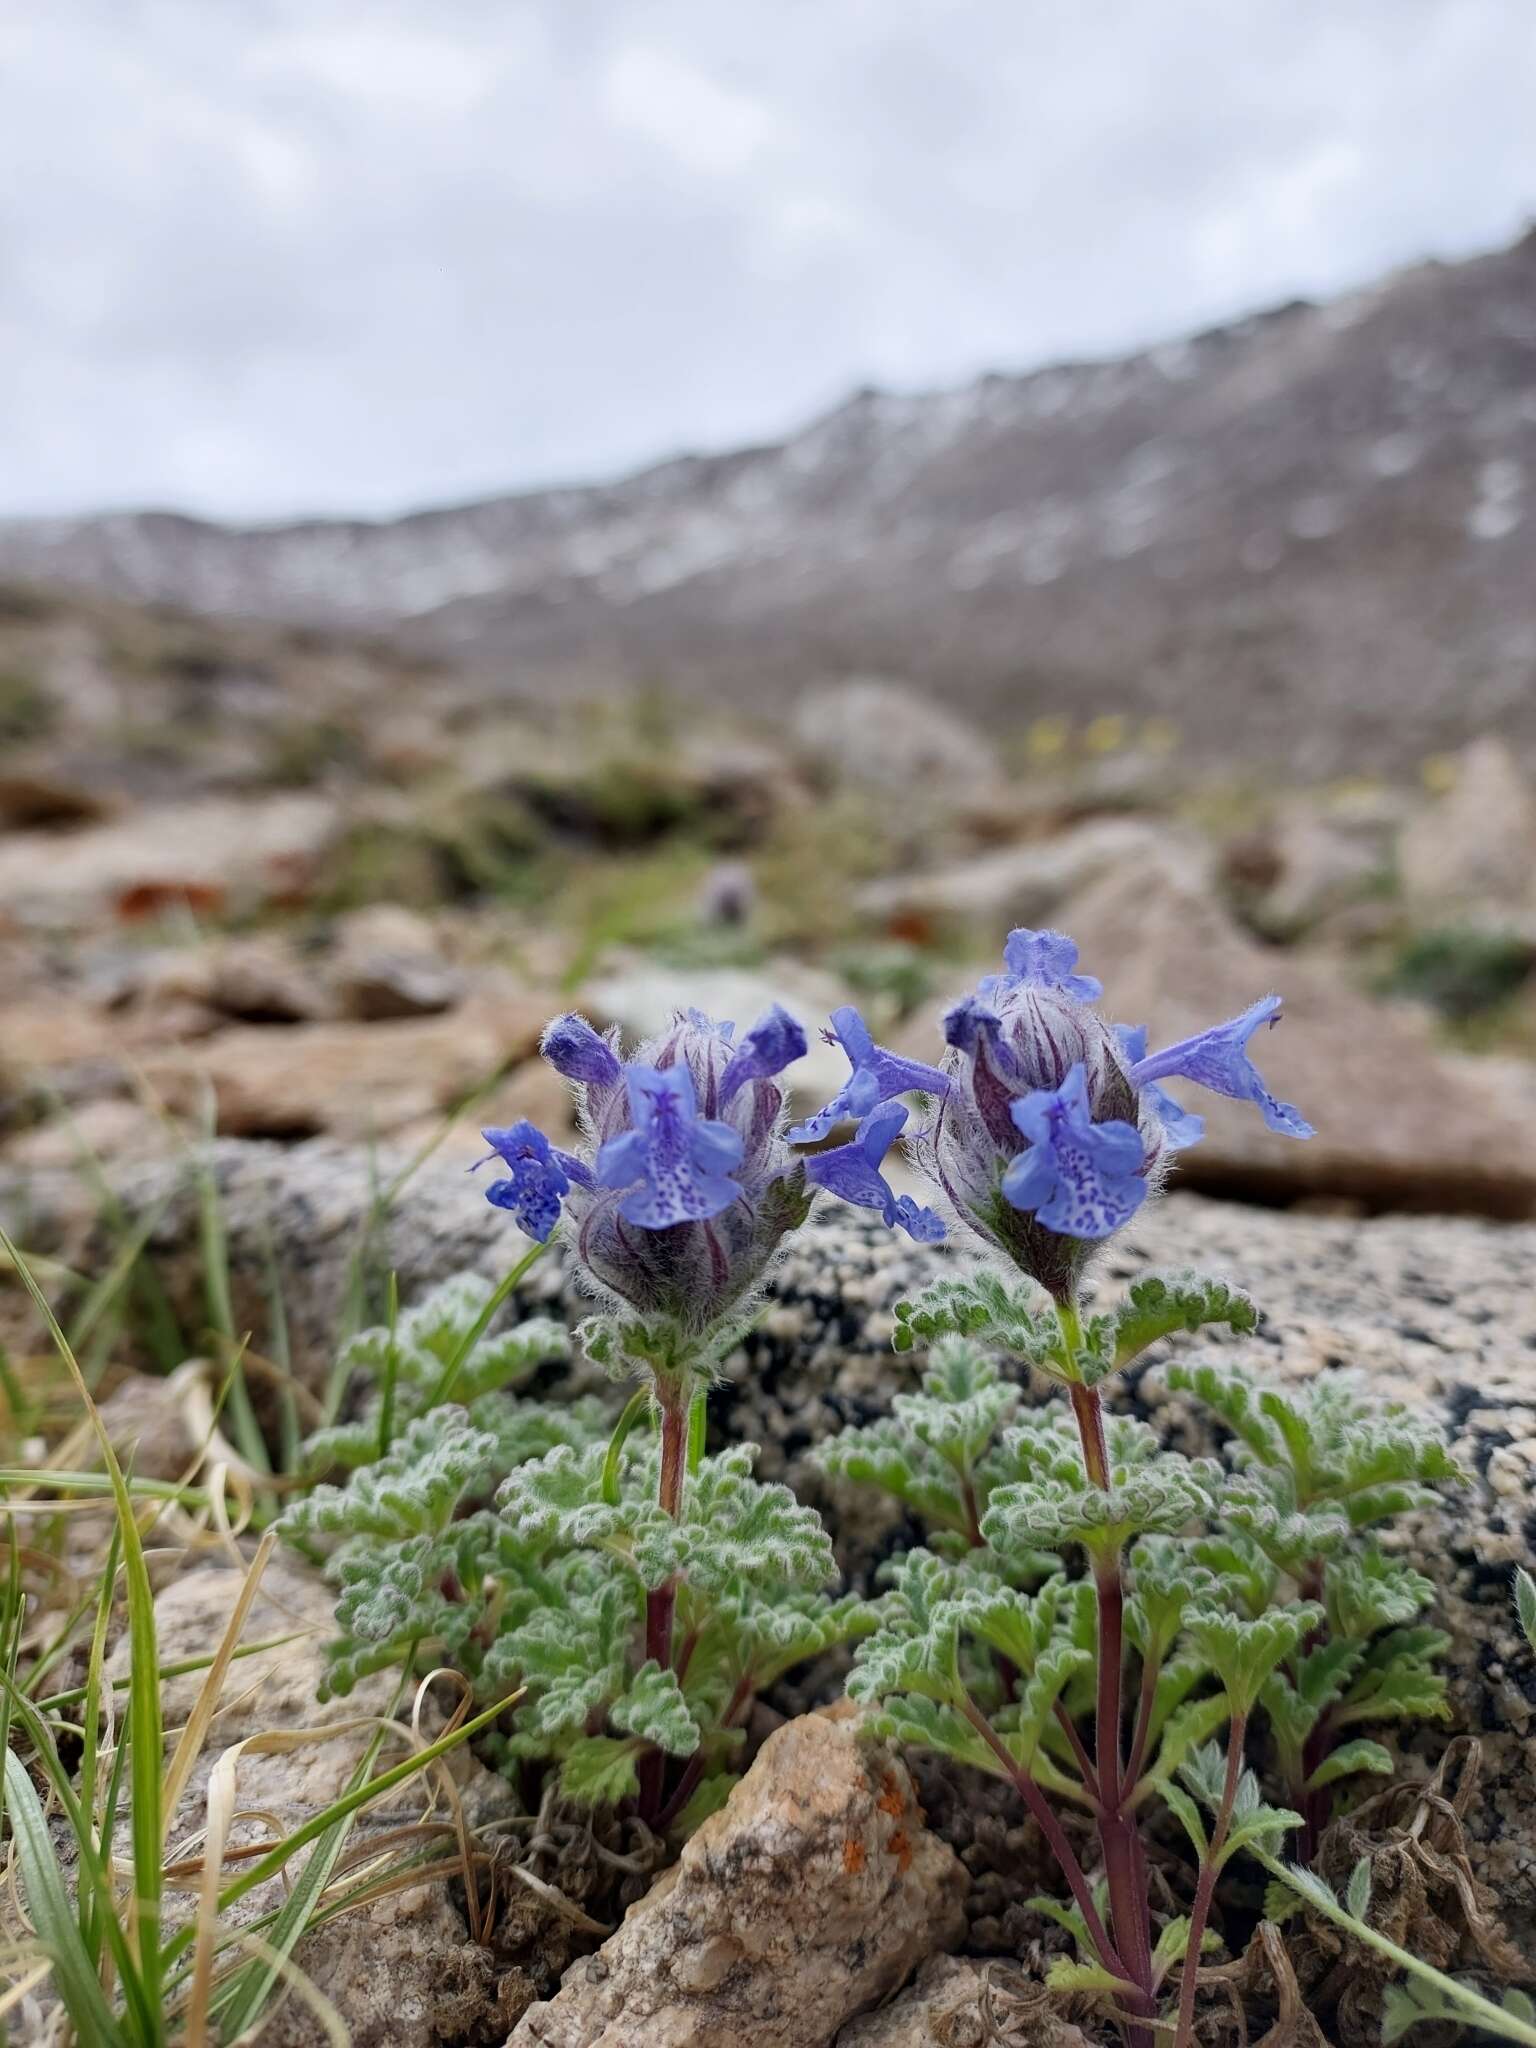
807	1898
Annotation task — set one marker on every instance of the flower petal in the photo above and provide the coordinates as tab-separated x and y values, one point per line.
774	1041
574	1049
1218	1059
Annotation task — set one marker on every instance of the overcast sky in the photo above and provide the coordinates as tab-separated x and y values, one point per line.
265	256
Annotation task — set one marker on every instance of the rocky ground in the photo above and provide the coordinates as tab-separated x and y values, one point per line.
822	1885
260	988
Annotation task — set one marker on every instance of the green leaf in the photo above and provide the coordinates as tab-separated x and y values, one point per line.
1349	1759
1357	1897
1187	1813
653	1708
1244	1652
599	1770
708	1796
1070	1978
1525	1603
49	1907
1189	1726
1161	1303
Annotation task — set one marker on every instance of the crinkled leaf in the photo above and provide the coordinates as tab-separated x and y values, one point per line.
599	1770
1348	1760
652	1706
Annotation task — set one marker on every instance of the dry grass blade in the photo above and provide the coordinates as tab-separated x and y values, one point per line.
206	1704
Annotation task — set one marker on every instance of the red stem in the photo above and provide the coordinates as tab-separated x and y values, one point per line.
695	1767
1143	1735
1125	1863
1207	1883
1055	1837
661	1605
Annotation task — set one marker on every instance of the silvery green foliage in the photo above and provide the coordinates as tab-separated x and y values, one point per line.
547	1594
1048	1501
443	1335
939	1450
1317	1471
1021	1320
750	1566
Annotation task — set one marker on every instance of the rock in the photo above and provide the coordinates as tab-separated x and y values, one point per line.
146	1419
948	2008
1026	884
354	1080
886	735
806	1899
642	998
219	852
387	964
41	794
111	1128
1476	848
260	980
1315	865
1399	1124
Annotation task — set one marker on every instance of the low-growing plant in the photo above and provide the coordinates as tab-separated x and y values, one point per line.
1096	1609
1105	1622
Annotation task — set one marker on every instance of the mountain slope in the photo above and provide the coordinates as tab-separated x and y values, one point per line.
1311	534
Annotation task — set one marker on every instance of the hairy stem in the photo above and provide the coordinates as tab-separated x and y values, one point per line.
1125	1863
1206	1884
1055	1836
694	1770
1143	1735
661	1605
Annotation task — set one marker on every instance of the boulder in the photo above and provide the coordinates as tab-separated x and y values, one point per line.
1027	884
217	853
896	741
387	963
402	1970
1399	1123
807	1898
1475	849
351	1079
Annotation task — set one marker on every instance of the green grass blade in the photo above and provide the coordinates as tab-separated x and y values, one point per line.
448	1377
240	2003
145	1733
42	1882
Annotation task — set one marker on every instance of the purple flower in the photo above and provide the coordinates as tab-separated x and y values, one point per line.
1218	1059
1042	960
877	1076
774	1041
1181	1126
1080	1178
539	1177
676	1163
574	1049
853	1172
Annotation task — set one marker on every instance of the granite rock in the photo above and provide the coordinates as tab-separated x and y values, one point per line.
807	1898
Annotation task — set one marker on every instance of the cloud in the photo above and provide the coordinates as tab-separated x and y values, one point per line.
361	254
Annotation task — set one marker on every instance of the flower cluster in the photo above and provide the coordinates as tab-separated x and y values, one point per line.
1052	1125
687	1184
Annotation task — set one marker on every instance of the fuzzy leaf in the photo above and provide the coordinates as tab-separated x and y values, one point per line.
653	1707
1525	1603
709	1795
1161	1303
598	1770
1348	1760
1358	1895
1243	1653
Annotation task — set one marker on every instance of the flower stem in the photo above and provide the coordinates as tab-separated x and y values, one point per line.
661	1603
1055	1836
1206	1884
1125	1863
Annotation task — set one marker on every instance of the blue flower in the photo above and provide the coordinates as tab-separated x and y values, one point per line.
774	1041
877	1075
1042	960
1081	1179
1181	1127
574	1049
1218	1059
853	1172
676	1163
539	1177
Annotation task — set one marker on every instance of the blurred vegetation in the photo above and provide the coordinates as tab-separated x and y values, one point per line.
1461	971
27	712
